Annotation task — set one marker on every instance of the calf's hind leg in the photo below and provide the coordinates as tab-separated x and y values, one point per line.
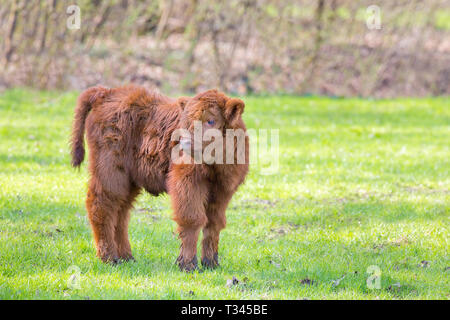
121	230
102	214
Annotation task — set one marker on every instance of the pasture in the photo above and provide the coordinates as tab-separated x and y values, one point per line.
362	192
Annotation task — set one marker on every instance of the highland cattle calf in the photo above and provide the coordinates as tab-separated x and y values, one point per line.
140	139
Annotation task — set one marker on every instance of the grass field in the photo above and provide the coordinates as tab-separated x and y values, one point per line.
361	183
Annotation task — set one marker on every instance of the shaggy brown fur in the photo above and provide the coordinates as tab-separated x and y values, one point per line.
129	132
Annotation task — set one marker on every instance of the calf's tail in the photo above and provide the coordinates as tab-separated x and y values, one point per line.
84	105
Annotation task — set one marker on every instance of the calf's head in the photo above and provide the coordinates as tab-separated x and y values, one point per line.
206	116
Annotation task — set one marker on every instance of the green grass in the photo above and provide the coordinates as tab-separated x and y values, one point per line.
360	183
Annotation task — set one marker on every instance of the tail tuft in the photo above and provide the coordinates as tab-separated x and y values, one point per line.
77	155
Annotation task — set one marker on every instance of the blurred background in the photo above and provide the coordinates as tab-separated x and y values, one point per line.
326	47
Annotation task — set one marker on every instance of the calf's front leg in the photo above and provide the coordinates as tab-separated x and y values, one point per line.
215	212
188	203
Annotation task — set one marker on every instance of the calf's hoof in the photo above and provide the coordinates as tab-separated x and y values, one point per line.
211	263
110	259
187	265
107	253
126	258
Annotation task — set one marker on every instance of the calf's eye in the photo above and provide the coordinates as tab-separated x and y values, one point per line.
211	122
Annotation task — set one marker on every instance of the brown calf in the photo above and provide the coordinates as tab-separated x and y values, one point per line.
129	134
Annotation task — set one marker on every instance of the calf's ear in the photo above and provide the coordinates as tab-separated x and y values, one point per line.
233	110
